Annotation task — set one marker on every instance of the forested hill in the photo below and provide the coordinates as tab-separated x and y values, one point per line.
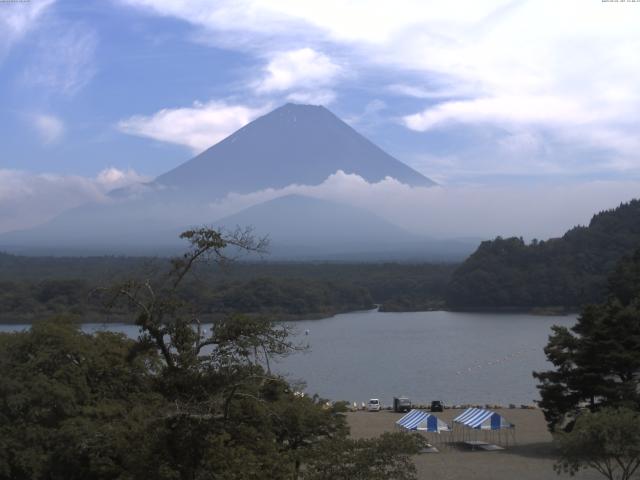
36	288
561	272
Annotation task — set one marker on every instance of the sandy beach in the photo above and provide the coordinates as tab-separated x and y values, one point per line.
531	458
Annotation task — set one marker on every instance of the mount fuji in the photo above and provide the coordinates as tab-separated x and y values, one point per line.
292	145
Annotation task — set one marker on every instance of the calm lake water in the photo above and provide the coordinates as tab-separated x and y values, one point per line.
454	357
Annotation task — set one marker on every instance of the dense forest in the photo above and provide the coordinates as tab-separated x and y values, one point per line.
33	288
560	273
176	403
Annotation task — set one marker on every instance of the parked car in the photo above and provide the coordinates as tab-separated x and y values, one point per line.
437	406
374	405
401	404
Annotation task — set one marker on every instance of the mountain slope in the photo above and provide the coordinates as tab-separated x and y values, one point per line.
294	144
301	220
568	271
309	228
301	144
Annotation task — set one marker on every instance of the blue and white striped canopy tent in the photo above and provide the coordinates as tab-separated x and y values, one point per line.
482	419
422	421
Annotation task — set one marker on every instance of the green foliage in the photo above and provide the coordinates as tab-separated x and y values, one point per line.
181	402
596	361
35	288
71	403
270	296
607	441
382	458
566	272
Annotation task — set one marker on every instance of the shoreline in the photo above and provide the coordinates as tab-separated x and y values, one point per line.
115	319
361	406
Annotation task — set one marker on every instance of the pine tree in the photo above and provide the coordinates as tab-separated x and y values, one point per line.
597	361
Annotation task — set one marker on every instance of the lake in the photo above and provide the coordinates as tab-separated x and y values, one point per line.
454	357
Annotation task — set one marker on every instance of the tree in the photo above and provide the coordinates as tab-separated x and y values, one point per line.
184	401
597	361
219	420
565	272
382	458
607	441
72	405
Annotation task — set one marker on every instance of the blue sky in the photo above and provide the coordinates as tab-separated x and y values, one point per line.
494	93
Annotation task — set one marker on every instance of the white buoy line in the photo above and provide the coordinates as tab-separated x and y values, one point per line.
494	362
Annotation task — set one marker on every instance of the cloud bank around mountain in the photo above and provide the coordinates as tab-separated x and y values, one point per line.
458	211
532	211
28	199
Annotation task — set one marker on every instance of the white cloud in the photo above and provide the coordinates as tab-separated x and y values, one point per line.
303	68
566	69
17	19
521	142
373	21
65	59
28	199
197	127
421	92
111	178
303	73
458	211
49	127
371	115
63	51
318	97
509	111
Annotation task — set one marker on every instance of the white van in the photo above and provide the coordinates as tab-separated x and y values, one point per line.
374	405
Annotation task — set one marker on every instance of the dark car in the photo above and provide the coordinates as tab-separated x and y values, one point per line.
401	404
437	406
